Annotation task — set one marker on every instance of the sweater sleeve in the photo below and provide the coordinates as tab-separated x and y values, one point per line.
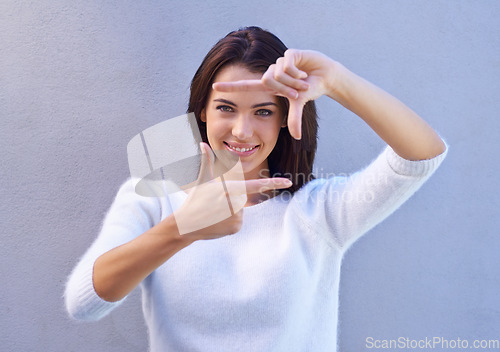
129	216
344	208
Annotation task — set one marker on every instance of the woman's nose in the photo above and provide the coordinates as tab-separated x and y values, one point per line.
242	128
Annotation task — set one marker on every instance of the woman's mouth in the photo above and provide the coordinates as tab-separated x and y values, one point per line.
241	150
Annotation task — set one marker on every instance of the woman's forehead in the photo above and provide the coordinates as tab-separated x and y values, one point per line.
235	72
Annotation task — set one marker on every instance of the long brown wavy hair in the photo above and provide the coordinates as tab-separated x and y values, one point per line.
256	49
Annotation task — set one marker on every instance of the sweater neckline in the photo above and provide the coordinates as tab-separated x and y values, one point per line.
279	198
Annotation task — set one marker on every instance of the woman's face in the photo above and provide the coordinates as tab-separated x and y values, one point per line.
245	124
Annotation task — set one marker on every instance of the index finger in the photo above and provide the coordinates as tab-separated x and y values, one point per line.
257	185
246	85
267	184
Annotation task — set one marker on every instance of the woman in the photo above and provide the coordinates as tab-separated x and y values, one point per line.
273	284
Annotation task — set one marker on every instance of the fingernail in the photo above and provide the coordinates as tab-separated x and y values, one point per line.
287	183
293	94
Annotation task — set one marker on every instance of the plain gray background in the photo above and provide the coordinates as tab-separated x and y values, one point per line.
79	79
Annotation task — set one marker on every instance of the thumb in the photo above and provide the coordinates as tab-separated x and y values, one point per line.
206	172
295	118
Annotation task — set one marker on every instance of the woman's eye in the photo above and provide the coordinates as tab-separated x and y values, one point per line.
224	108
264	112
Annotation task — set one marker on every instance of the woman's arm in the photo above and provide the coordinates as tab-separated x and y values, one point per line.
304	75
118	271
401	128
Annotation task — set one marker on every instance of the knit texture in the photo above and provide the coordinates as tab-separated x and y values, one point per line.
274	285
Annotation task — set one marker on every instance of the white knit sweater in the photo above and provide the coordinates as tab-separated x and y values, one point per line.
274	285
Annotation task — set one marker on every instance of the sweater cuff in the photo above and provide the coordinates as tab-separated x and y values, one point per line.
88	305
418	168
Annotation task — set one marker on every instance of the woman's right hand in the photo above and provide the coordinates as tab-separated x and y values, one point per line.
214	207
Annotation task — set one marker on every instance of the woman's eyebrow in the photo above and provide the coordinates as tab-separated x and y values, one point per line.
220	100
264	104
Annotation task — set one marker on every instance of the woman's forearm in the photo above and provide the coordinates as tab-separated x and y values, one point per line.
406	132
118	271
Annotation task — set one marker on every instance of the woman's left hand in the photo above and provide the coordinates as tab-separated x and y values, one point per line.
300	76
304	75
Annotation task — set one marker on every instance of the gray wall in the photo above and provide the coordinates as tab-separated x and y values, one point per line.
79	79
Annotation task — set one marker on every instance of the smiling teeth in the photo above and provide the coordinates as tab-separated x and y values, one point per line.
241	149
